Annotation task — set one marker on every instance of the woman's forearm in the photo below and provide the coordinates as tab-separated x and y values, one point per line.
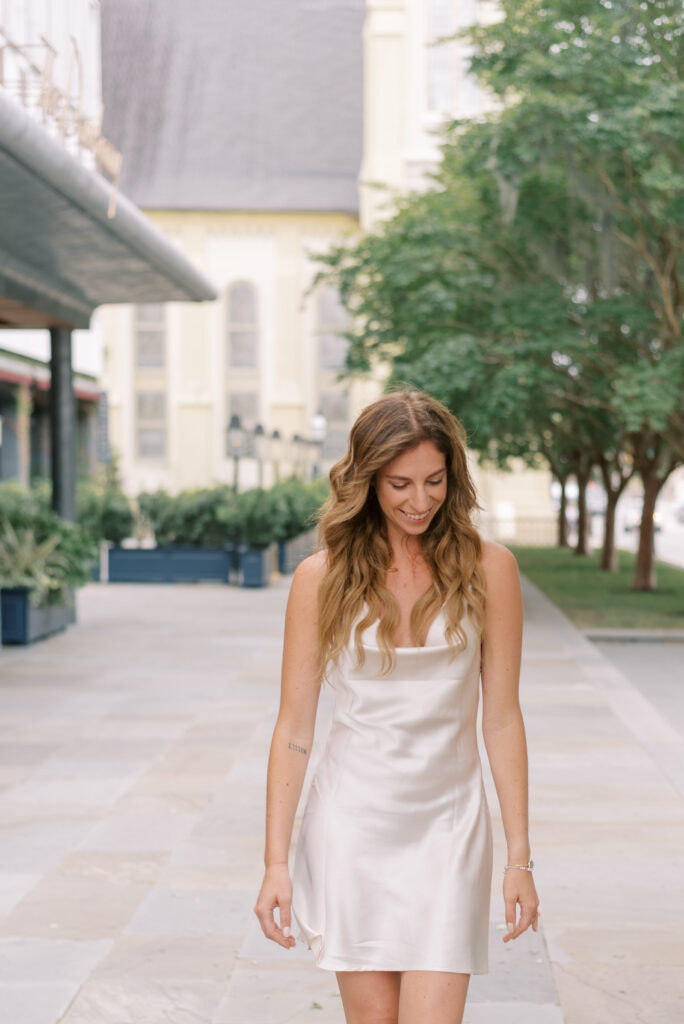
507	753
287	763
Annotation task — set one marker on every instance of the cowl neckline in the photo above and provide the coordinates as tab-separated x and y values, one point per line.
409	648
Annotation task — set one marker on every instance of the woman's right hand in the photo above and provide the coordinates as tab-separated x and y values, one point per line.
276	891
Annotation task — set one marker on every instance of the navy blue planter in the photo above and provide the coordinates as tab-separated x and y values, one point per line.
255	566
23	624
170	564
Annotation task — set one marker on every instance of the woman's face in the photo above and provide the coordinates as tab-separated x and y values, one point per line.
412	487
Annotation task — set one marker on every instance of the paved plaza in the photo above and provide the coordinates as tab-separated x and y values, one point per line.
132	789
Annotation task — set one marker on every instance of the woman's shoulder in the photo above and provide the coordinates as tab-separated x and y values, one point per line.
497	558
311	571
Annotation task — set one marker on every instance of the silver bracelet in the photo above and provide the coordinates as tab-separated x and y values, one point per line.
523	867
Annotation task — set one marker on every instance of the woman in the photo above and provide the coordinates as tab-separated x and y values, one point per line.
402	611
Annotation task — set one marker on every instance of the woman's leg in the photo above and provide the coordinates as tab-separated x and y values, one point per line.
369	997
432	997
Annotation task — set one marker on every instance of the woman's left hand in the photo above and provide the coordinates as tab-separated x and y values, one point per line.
518	888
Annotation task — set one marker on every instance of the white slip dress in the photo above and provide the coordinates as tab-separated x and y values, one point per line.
393	864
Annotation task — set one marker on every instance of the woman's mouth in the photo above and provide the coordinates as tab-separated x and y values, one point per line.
416	518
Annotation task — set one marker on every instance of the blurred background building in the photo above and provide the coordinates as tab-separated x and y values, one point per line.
253	136
242	129
70	240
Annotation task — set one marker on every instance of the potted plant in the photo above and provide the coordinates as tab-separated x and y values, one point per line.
37	577
261	515
302	501
105	515
192	535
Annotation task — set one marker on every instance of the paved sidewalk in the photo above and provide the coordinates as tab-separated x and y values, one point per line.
132	783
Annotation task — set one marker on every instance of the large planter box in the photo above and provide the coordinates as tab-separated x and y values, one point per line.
171	564
292	552
255	566
23	624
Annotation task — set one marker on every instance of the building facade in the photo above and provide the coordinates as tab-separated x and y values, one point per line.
70	240
246	153
416	80
73	58
267	351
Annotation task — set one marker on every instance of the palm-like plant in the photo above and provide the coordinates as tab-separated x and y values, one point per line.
27	562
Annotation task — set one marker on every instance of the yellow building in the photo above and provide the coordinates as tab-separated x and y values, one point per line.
242	134
266	351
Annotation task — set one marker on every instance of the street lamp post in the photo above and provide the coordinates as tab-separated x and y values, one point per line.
276	453
319	432
236	437
297	445
261	446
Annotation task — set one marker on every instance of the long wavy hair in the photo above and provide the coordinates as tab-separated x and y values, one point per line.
353	531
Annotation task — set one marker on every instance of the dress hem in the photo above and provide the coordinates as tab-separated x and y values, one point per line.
325	962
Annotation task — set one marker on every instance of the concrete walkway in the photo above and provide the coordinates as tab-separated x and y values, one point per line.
132	786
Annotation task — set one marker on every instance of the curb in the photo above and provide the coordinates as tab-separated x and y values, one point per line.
674	636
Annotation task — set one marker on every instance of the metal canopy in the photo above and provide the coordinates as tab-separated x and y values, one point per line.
60	255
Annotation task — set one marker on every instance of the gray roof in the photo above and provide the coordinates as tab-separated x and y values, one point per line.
235	104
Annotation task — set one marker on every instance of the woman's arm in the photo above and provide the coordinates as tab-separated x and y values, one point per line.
291	744
503	729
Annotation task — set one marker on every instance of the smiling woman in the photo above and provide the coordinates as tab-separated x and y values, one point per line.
401	496
413	486
403	611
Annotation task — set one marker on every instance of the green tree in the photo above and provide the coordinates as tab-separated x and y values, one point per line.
601	87
536	285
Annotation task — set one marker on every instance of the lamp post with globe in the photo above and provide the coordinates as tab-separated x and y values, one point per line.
319	432
236	440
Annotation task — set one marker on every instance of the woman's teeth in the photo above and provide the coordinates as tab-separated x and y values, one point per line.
416	519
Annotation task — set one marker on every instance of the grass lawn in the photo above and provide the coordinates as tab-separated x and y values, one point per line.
591	598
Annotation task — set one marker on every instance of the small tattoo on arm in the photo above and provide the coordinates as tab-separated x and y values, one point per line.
295	746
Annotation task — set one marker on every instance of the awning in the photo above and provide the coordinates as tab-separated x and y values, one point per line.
60	254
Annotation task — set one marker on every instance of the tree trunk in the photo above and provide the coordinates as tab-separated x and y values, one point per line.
608	553
611	472
582	547
563	515
644	570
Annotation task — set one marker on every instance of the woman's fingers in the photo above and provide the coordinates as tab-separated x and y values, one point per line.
286	923
511	930
528	916
270	929
264	909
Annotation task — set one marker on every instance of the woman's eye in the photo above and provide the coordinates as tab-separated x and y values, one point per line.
430	483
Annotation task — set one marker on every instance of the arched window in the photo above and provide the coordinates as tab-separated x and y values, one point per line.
243	325
332	320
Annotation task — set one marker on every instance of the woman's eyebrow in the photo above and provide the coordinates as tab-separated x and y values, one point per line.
395	476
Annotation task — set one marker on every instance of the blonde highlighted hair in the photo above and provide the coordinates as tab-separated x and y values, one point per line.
353	531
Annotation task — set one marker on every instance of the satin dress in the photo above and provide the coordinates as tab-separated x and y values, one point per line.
393	864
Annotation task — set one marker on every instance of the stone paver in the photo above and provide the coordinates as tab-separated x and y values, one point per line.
132	789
